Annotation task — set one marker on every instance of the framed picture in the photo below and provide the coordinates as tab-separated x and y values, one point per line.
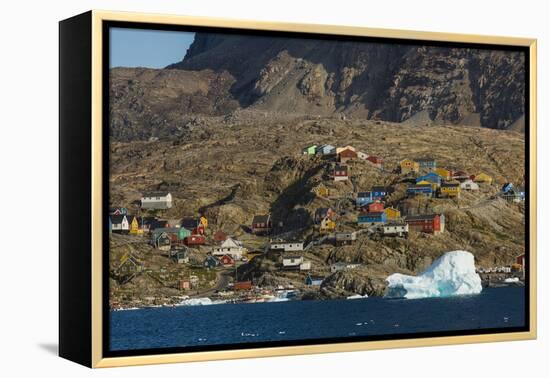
234	189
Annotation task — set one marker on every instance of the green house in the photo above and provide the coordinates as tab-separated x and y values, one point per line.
179	232
310	150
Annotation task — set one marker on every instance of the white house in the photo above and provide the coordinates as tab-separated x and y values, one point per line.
231	247
469	185
287	246
395	229
156	200
338	266
362	155
120	223
306	265
292	261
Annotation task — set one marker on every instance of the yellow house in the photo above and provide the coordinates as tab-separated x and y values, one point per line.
392	213
327	225
444	173
434	185
484	178
204	222
450	189
322	191
408	165
134	227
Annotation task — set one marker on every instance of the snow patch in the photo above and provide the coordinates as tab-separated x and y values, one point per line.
452	274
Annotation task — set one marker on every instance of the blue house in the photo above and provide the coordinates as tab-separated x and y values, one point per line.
363	198
506	188
431	177
381	192
512	193
314	281
371	219
325	149
211	262
420	189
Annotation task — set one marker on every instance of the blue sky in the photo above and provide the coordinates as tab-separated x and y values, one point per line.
147	48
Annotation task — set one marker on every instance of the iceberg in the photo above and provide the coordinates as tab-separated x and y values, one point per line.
199	302
451	274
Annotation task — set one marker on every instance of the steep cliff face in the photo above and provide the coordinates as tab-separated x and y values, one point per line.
385	81
390	82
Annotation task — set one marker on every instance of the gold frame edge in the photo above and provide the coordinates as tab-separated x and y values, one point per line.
98	16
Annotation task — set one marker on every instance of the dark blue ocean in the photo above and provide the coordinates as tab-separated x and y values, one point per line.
299	320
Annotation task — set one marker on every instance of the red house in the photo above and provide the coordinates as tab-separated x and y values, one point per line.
244	285
194	240
347	154
227	260
375	160
261	224
460	175
375	207
520	260
193	224
428	223
340	173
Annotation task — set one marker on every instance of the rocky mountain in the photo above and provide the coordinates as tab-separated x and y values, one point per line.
222	73
230	171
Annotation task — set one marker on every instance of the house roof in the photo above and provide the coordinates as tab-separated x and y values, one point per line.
394	224
292	257
117	219
156	194
263	218
170	230
341	168
190	222
230	242
364	194
422	217
281	241
374	214
429	176
347	152
374	158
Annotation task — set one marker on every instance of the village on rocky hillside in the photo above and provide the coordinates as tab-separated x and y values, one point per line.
161	258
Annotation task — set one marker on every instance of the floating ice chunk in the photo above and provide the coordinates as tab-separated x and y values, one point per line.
199	302
452	274
357	296
511	280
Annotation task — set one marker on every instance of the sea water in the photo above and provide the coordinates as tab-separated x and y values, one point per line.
192	326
